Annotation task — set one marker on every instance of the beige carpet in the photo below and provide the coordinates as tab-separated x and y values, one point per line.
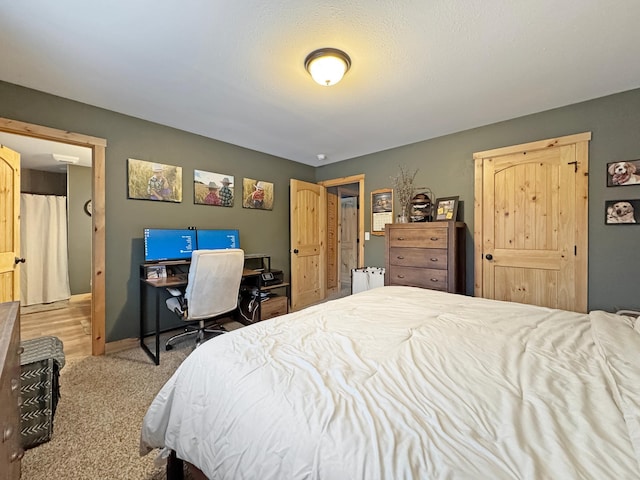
97	424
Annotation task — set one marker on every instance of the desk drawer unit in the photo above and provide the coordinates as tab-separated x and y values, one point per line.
426	255
274	307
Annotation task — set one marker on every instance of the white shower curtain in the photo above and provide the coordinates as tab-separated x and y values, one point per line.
44	277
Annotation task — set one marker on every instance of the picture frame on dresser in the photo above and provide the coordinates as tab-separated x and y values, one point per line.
446	209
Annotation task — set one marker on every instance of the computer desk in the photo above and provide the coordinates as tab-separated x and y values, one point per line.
157	285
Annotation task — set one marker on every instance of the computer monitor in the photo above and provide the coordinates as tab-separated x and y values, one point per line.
218	239
163	244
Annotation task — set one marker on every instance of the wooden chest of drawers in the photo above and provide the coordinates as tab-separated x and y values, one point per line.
10	446
428	255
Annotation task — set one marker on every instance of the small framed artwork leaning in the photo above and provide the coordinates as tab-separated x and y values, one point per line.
623	173
446	209
213	188
154	181
619	212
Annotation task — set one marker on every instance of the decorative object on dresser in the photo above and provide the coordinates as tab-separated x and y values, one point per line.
422	206
446	209
403	190
10	450
426	255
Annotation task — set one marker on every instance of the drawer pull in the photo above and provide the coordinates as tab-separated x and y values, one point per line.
20	350
15	384
400	276
6	435
434	280
400	238
433	259
434	239
17	455
400	257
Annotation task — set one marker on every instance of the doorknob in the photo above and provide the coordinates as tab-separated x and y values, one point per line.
295	250
19	260
488	256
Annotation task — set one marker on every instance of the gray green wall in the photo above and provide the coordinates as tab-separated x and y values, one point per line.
445	165
79	181
261	231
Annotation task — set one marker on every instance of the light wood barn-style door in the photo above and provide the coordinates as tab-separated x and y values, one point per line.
531	216
10	222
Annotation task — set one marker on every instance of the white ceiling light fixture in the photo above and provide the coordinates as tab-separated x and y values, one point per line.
327	66
65	158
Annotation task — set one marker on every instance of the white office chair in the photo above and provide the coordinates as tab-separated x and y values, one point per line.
212	290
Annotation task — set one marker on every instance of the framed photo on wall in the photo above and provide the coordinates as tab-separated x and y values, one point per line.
620	212
213	188
154	181
623	173
446	209
381	210
257	194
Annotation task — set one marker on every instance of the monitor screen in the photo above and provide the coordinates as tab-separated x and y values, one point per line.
218	239
162	244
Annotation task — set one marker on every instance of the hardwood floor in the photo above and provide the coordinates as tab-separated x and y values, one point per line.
71	324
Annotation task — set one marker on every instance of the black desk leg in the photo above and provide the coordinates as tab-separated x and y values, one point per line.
143	316
157	327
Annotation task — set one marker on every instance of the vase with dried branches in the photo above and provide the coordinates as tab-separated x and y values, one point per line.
403	190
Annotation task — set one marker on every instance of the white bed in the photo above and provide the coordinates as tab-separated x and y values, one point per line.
404	383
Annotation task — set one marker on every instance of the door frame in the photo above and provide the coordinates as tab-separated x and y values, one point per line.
339	182
581	142
98	280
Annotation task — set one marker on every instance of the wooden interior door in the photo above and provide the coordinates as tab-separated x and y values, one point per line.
348	237
308	243
531	223
332	241
9	225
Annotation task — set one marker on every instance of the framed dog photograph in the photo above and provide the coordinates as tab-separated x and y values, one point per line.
623	173
622	212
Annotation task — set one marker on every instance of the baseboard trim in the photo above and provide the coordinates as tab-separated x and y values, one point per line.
120	345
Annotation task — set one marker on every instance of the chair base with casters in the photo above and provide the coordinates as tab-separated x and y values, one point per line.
176	304
198	331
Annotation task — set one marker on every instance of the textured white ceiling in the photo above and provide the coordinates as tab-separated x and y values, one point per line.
234	71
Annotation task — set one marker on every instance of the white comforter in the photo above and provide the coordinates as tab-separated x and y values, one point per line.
405	383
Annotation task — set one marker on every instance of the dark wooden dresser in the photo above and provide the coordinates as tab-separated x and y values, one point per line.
10	446
428	255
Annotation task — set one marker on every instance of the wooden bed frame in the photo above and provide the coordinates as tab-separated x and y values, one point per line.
176	468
